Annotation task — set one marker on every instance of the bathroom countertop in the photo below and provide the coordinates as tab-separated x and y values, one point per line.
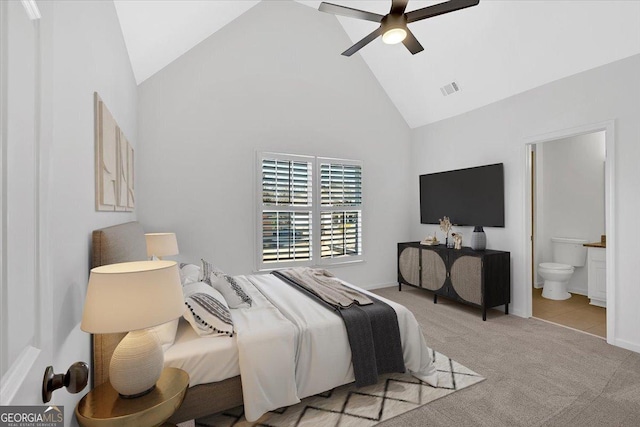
596	245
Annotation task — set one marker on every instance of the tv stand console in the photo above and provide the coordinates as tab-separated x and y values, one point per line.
477	278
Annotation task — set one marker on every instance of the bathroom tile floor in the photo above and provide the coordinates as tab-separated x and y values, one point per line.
575	312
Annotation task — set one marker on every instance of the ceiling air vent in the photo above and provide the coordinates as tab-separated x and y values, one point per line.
450	88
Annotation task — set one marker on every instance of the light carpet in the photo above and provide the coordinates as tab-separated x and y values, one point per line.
348	406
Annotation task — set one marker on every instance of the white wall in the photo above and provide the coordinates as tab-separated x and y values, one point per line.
570	196
87	54
267	81
497	133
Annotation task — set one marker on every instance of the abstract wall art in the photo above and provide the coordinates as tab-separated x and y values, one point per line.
114	163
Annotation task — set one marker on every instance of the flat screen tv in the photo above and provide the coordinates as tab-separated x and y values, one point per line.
472	196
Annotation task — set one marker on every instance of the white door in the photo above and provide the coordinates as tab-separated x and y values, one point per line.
26	325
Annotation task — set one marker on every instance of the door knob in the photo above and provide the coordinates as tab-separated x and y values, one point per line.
75	380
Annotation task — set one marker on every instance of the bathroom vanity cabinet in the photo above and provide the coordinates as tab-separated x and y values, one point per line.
597	276
478	278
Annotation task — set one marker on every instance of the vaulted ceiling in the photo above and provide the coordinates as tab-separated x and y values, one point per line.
492	51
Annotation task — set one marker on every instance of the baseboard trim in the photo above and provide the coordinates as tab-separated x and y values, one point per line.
517	313
626	345
380	286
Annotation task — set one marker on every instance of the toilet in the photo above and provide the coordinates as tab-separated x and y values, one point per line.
568	253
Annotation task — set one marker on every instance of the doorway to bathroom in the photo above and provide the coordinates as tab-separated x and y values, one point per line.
569	198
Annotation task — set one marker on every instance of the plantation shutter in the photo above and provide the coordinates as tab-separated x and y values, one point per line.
287	200
309	211
340	208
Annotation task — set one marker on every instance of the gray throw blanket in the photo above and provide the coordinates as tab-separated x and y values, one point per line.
324	284
372	329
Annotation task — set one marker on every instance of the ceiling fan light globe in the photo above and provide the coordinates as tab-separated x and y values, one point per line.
394	35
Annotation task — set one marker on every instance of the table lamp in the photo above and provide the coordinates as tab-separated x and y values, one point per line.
161	244
130	297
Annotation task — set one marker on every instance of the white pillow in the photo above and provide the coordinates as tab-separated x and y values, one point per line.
207	311
189	273
230	289
166	333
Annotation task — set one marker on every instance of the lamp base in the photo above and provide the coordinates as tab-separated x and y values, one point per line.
136	364
133	396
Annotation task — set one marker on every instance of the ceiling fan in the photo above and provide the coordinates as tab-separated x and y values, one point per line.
393	25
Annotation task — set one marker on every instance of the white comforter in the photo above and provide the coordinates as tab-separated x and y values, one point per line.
291	347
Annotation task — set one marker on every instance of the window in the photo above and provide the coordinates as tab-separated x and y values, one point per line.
340	213
310	210
287	190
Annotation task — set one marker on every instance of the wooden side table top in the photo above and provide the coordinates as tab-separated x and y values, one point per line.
103	407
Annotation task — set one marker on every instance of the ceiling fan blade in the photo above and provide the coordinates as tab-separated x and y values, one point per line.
398	7
439	9
350	12
412	43
362	43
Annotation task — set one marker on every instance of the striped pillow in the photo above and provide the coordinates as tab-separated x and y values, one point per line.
207	311
207	270
229	287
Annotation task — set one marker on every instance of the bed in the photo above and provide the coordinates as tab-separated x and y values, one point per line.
284	331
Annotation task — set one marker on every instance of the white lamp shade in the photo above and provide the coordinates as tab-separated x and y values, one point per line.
132	295
161	244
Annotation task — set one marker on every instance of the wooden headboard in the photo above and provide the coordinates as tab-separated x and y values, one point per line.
119	243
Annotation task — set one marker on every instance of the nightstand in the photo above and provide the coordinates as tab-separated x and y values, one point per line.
103	407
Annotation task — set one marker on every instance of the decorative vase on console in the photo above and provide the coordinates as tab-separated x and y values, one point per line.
457	240
450	243
478	239
445	226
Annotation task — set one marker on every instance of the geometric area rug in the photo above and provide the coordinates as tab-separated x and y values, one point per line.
348	406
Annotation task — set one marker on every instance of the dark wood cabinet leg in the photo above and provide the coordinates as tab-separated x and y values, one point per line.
484	314
435	298
506	308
